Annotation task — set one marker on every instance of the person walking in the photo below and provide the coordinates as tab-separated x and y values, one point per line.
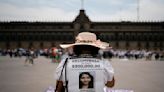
30	55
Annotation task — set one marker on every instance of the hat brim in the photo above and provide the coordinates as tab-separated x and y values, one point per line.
91	44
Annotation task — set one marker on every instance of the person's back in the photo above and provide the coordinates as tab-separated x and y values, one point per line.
85	71
100	70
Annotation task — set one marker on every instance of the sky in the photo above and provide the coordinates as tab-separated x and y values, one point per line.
67	10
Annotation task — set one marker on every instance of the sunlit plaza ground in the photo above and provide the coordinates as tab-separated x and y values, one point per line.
138	75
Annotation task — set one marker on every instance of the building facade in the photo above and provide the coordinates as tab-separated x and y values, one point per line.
120	35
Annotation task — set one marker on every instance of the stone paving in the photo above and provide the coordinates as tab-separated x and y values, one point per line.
140	75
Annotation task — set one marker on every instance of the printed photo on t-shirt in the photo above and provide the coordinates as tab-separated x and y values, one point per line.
86	80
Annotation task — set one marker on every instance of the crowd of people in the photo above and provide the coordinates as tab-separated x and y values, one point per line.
19	52
56	53
135	54
82	67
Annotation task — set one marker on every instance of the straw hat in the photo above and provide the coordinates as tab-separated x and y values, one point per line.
86	38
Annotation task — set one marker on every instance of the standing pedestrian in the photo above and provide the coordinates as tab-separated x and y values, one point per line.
84	60
30	55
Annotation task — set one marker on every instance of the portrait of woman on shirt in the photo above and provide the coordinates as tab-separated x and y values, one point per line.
86	80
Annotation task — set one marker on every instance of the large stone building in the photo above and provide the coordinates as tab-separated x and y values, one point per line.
121	35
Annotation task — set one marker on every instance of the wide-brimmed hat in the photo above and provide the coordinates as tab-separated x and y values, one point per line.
87	38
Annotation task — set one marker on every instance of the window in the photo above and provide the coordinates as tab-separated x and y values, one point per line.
19	44
147	45
161	45
117	44
150	38
127	37
41	45
30	44
127	44
120	36
1	38
139	44
155	44
7	44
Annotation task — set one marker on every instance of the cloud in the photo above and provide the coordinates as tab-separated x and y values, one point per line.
150	10
97	10
14	13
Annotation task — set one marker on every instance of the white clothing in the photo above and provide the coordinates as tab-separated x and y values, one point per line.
100	69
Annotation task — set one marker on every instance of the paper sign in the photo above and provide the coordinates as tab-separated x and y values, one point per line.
86	75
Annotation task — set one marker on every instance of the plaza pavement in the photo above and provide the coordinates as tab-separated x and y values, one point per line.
139	76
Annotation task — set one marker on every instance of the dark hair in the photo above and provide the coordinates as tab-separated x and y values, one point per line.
77	49
90	83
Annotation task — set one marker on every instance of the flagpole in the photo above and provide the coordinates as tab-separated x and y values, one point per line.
82	4
138	10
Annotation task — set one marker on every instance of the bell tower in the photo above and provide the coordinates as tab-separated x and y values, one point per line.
82	22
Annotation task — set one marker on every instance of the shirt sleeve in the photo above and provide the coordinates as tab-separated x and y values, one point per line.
108	71
59	70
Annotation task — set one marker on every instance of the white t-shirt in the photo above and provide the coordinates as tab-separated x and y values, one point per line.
100	71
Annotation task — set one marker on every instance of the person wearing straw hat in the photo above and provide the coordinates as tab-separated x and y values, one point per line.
84	59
